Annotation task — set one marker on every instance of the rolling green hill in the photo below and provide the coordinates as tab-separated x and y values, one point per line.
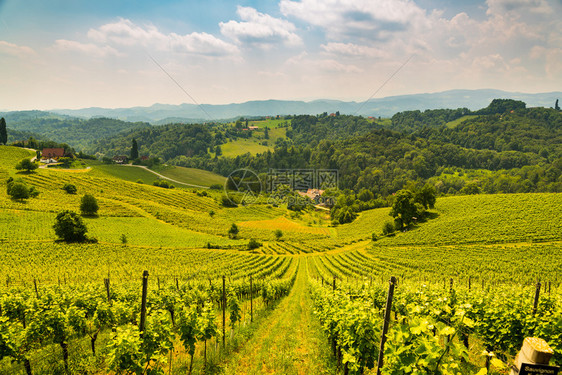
76	132
199	218
191	176
497	218
180	236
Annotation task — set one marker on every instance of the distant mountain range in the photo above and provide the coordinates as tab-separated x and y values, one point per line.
384	107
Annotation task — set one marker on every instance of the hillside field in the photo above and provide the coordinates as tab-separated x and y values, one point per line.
501	245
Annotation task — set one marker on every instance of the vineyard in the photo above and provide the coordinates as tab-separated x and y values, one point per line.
472	282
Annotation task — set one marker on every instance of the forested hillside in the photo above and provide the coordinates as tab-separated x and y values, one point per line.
504	147
78	133
515	151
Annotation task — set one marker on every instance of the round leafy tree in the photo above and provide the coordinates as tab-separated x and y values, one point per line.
89	205
18	191
405	209
233	231
69	227
27	165
70	188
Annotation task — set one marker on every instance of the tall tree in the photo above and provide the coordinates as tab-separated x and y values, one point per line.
404	208
556	107
134	150
4	132
89	205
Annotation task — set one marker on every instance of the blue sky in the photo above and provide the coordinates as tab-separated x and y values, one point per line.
74	53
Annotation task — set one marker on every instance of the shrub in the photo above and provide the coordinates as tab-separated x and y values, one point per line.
70	188
253	244
163	184
278	234
215	187
388	228
374	237
33	192
27	165
233	231
89	205
18	191
69	227
227	202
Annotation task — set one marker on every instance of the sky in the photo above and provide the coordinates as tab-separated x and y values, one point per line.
108	53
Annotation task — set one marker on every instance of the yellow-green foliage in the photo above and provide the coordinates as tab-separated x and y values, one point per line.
80	263
124	172
10	156
488	219
191	176
270	123
243	146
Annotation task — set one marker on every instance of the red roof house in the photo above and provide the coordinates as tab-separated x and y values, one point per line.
52	153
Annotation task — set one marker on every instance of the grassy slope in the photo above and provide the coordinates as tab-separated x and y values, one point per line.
154	216
191	175
454	123
10	156
132	174
270	123
488	219
291	341
253	145
243	146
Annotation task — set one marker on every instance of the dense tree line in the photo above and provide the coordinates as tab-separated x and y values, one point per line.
533	130
519	148
410	121
79	133
164	142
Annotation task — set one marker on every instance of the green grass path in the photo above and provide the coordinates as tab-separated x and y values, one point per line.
290	341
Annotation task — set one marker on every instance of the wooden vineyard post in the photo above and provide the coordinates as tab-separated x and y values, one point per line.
469	283
537	295
158	280
106	283
177	284
36	290
223	312
451	285
143	302
533	358
334	284
386	323
251	301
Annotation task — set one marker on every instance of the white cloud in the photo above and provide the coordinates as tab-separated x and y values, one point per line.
126	33
15	50
368	19
518	8
86	48
260	29
351	49
308	63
